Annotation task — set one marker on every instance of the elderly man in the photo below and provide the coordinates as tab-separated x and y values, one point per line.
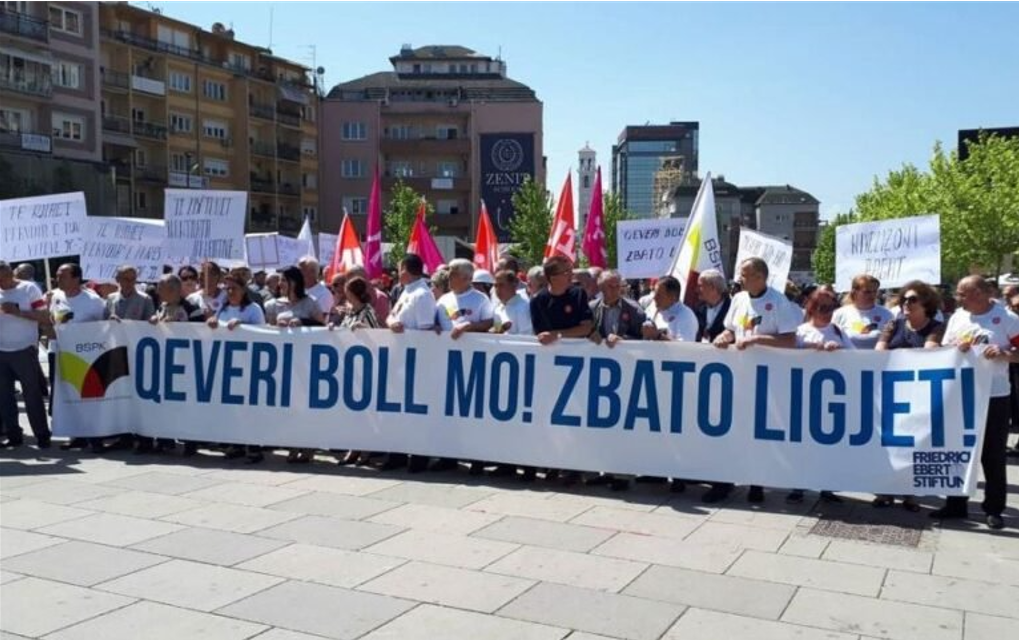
536	281
211	297
127	303
714	305
981	323
582	278
615	318
313	287
759	314
22	308
512	313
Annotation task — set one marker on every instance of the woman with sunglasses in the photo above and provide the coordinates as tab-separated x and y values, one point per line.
862	319
188	279
917	327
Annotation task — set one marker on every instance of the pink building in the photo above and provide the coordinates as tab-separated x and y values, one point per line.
448	122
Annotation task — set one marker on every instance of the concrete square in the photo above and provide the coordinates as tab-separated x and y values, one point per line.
331	532
987	567
326	565
438	519
428	623
141	504
335	505
65	492
210	546
231	517
568	567
7	576
978	627
81	563
161	482
449	586
545	533
785	519
804	546
439	548
952	593
111	529
712	558
738	536
249	495
191	584
649	524
806	572
352	485
34	607
14	542
31	514
154	621
435	494
712	625
879	555
871	617
530	505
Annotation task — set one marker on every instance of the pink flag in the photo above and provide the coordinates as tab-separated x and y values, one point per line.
594	233
373	245
423	245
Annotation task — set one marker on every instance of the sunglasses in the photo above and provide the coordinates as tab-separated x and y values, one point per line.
186	278
827	308
911	300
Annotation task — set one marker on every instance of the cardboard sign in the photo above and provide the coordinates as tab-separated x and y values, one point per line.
41	226
204	224
109	243
893	251
778	253
646	248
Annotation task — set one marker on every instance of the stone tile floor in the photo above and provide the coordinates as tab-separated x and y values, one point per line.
132	547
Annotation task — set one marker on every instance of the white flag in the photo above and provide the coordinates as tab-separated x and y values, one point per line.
305	237
699	250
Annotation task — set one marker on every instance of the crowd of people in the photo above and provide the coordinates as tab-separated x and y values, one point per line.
552	302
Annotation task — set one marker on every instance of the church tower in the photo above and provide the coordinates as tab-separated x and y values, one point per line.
585	185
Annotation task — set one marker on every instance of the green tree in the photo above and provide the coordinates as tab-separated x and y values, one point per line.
614	212
531	221
823	259
398	219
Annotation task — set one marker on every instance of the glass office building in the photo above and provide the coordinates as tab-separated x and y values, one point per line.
639	155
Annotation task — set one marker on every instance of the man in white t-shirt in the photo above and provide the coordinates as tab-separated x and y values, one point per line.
981	323
22	308
512	312
211	297
313	287
667	317
464	309
759	315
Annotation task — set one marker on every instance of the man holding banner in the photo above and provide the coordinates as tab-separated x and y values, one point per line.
22	308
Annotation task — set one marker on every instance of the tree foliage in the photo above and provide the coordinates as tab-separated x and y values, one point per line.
614	211
398	219
531	222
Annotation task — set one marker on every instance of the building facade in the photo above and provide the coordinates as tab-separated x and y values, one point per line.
587	166
446	121
641	153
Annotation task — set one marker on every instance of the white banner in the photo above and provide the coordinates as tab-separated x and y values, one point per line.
326	248
646	248
110	242
41	226
262	251
898	422
777	252
203	224
291	250
893	251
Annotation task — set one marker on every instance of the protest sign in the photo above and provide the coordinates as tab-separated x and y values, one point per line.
291	250
41	226
326	247
900	422
204	224
893	251
646	248
262	251
110	242
776	252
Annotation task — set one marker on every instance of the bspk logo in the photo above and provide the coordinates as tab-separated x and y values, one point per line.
91	380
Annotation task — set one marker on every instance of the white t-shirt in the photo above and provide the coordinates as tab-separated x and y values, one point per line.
207	303
84	307
862	327
809	336
999	326
18	334
415	308
678	320
251	314
455	309
516	312
769	314
323	296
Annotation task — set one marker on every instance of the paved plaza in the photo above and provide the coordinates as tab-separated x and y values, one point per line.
128	547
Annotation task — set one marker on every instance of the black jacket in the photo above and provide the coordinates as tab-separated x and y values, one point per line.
717	327
631	317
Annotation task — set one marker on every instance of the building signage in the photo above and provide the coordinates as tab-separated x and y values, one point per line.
507	160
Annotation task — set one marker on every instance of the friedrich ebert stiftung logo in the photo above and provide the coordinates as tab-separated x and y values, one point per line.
92	379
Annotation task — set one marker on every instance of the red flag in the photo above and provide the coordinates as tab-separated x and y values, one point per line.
422	244
486	245
348	250
373	246
562	239
594	233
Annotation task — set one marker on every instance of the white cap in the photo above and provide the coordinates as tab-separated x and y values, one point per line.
482	276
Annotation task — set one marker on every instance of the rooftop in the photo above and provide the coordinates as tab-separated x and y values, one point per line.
388	84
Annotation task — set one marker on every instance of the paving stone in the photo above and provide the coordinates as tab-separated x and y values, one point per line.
335	505
210	546
433	493
784	518
31	514
449	586
10	481
545	533
669	551
349	484
81	563
428	623
34	607
111	529
742	596
331	532
191	584
567	567
154	621
7	576
317	609
952	593
804	546
651	524
162	482
65	492
806	572
738	536
141	504
877	555
438	519
254	475
284	634
231	517
249	495
712	625
530	506
14	542
871	617
987	567
981	627
582	635
442	548
609	614
633	500
326	565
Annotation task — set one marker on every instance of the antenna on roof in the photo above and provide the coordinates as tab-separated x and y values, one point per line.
270	27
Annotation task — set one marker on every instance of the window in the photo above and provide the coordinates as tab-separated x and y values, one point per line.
445	132
417	68
173	37
179	162
217	168
180	123
141	200
240	61
14	121
68	75
310	213
180	82
141	157
447	170
308	113
68	127
352	169
354	131
17	7
356	205
215	129
66	20
587	182
401	132
214	90
401	169
309	181
447	207
308	147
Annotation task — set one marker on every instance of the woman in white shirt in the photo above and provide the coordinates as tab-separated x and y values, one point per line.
862	319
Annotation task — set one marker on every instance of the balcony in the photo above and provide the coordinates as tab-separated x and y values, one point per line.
258	185
116	79
287	116
287	189
185	180
26	141
32	84
24	25
148	85
118	124
151	173
149	130
427	182
426	144
288	152
122	169
260	148
153	45
264	111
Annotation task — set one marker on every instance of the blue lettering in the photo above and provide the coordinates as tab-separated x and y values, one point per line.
596	391
205	377
704	400
172	368
836	409
761	430
512	386
383	405
889	408
350	378
465	392
677	370
796	405
230	371
325	361
288	367
576	366
152	391
866	411
262	374
643	387
408	385
937	377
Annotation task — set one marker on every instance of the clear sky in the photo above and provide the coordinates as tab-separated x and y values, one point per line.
822	96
